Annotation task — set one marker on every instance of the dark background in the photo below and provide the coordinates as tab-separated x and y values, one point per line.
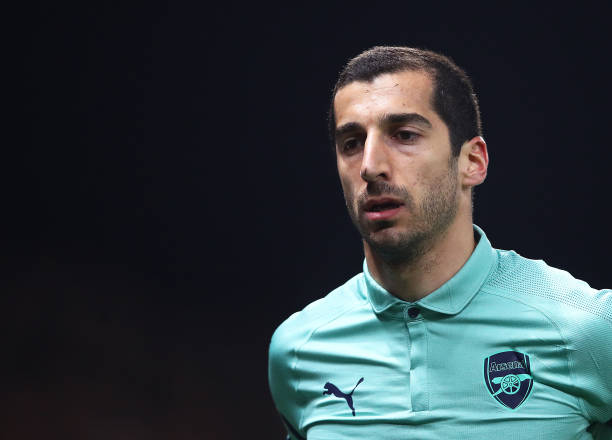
170	195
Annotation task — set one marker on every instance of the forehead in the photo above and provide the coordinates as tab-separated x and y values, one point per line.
400	92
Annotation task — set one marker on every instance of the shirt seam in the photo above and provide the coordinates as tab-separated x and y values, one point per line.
567	351
298	349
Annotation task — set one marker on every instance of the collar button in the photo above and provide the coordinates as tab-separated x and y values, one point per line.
413	312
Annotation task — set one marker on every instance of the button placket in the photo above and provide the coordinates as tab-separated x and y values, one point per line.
417	333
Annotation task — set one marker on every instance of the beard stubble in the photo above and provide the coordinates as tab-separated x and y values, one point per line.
429	219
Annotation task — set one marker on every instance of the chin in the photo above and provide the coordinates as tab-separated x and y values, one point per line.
396	245
388	237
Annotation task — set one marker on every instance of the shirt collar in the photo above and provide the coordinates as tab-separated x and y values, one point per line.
452	296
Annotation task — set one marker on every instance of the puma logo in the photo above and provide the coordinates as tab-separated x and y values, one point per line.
333	389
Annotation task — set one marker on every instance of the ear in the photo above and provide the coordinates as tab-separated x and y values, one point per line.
473	162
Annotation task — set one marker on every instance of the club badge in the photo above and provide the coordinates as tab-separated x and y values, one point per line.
508	378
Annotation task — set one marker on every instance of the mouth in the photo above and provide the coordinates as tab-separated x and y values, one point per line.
382	208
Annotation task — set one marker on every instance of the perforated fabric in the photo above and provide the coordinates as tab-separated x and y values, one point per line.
582	315
535	277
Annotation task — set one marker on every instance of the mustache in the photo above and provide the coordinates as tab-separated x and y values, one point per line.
382	188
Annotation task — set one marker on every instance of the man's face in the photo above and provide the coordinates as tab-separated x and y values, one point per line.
394	159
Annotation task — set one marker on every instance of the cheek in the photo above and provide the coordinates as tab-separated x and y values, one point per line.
415	182
345	180
347	187
426	175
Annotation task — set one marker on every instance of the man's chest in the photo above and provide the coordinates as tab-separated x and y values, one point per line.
433	377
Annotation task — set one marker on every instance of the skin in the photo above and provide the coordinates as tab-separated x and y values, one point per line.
409	160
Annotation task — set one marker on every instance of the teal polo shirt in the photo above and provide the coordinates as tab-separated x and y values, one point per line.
507	348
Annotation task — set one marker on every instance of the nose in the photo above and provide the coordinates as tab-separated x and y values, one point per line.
375	162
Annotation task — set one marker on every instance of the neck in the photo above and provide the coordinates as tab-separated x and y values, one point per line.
419	277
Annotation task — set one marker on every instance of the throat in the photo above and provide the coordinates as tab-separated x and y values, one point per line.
410	270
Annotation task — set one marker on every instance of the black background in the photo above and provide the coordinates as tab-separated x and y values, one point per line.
170	195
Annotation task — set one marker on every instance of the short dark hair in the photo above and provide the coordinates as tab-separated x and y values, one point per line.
453	97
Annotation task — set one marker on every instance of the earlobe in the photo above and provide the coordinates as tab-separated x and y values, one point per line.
475	161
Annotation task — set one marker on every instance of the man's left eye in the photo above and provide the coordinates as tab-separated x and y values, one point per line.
405	135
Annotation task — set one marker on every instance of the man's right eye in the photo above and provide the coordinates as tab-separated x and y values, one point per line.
349	145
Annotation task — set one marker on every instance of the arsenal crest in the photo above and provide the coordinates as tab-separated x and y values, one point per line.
508	378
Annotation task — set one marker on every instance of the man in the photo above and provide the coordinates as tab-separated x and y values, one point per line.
441	336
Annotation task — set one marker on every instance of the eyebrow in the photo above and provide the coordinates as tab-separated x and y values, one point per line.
404	118
349	127
386	119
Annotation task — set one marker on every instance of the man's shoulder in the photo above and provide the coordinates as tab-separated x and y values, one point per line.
292	335
579	314
299	326
535	282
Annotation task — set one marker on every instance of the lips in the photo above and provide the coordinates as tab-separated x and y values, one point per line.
382	208
382	204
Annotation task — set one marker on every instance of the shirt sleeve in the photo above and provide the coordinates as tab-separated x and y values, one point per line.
591	358
283	379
